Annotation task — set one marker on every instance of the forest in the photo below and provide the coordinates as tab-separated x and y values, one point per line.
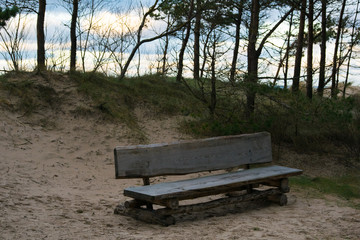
280	66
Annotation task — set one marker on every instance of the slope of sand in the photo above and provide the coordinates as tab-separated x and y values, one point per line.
57	182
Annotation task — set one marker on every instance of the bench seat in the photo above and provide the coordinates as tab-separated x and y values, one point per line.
208	185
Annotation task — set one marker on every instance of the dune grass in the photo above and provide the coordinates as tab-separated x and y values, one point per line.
346	187
31	95
292	119
119	98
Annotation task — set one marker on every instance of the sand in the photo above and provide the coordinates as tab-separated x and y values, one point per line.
57	182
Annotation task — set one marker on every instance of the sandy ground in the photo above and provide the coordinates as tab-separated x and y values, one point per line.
57	182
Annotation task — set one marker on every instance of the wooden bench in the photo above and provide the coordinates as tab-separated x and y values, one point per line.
185	157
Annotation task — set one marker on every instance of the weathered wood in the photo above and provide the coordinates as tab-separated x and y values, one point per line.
164	216
283	184
210	154
169	203
281	199
146	215
240	189
192	156
219	202
146	181
209	185
134	203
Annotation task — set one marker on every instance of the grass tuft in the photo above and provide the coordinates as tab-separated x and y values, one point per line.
346	187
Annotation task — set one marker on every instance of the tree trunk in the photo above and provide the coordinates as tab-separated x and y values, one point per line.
202	70
252	58
351	48
164	59
287	52
197	28
84	44
184	43
309	78
41	36
237	41
213	78
73	35
320	90
138	63
299	48
165	52
254	54
335	59
341	58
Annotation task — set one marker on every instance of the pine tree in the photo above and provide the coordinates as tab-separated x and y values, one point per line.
7	14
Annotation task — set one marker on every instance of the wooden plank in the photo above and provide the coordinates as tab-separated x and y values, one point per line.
192	156
164	216
228	201
209	185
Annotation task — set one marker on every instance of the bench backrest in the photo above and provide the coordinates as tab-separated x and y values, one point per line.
192	156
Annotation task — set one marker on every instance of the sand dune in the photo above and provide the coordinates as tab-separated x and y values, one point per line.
57	182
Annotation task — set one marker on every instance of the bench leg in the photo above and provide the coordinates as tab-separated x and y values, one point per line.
146	182
282	184
281	199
